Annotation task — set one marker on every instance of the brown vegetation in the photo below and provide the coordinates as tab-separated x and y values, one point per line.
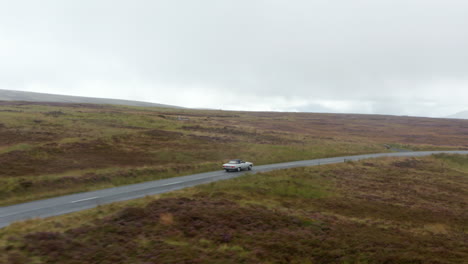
376	211
46	145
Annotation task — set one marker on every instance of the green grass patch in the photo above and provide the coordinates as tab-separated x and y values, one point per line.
459	162
277	186
17	147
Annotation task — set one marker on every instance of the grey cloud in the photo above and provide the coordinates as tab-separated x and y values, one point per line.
407	52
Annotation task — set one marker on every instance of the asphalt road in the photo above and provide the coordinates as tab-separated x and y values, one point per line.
80	201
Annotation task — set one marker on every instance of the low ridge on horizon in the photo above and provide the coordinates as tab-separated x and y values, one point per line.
460	115
13	95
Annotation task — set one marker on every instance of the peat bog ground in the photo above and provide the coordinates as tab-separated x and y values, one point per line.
51	149
389	210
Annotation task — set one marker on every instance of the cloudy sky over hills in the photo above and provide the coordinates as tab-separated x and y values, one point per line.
402	57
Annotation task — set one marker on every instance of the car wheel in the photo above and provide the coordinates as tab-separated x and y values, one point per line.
250	167
239	169
226	170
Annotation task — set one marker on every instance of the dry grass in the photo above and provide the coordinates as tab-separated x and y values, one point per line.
49	149
391	210
374	211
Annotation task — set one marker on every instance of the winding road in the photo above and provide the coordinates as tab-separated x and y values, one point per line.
80	201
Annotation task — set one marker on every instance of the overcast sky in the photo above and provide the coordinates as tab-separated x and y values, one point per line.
401	57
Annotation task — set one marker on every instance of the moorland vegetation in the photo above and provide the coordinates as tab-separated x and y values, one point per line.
52	149
388	210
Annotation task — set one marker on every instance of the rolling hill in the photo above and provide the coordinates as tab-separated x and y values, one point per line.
10	95
460	115
51	149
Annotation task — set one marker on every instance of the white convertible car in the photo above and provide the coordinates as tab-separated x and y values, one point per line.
237	165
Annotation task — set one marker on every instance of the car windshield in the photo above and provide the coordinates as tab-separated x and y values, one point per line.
233	162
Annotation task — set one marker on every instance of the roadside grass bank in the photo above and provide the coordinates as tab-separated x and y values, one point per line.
386	210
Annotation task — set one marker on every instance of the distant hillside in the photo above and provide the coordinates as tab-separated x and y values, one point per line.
9	95
461	115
